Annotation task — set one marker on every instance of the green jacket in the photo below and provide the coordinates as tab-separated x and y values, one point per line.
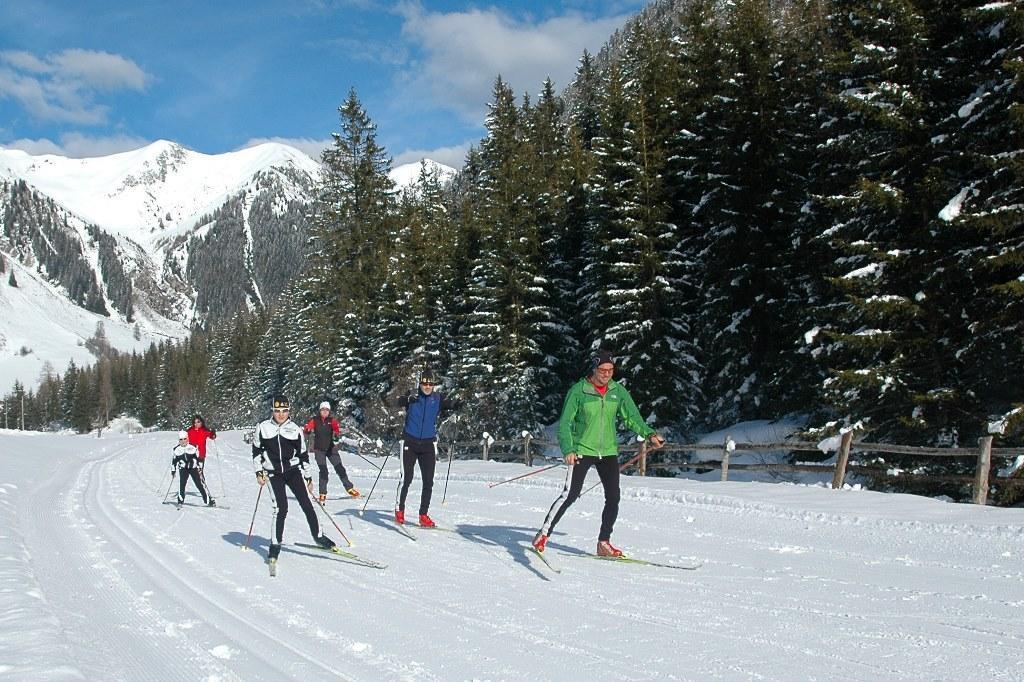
587	424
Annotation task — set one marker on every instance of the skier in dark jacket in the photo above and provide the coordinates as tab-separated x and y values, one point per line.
279	456
419	442
324	428
185	463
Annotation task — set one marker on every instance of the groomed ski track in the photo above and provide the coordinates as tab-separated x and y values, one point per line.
101	581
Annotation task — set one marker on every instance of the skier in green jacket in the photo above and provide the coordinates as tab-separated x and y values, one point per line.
587	438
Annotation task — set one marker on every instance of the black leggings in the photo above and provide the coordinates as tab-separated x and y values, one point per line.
608	470
422	451
335	459
197	477
291	479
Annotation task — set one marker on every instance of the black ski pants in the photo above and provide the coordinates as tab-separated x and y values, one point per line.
334	458
608	471
279	483
425	452
197	477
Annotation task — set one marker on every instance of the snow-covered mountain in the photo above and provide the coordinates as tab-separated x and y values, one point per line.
407	174
160	238
150	194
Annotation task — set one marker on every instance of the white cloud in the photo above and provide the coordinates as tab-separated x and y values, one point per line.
79	146
312	148
62	86
465	51
450	156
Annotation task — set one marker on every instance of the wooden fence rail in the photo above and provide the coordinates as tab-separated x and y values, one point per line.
528	447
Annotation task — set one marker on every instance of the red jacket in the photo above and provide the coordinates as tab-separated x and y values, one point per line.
197	436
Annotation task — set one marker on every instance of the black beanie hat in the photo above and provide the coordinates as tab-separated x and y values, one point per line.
281	402
601	357
428	377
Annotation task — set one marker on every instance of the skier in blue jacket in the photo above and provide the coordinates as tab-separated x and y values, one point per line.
419	442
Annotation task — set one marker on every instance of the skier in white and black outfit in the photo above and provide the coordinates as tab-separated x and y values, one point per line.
185	463
279	456
419	442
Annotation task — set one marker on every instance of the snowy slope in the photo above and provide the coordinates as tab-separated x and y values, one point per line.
101	581
37	317
151	192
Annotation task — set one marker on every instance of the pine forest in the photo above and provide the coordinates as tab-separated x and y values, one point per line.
760	207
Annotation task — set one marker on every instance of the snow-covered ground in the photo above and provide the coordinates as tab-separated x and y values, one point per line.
98	580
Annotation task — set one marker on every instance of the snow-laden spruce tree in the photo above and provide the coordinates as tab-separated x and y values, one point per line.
510	313
351	225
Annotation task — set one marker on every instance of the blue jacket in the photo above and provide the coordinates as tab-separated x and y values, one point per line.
422	411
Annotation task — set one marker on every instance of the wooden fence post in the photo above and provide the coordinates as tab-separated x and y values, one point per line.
486	443
983	469
527	456
725	457
842	460
643	458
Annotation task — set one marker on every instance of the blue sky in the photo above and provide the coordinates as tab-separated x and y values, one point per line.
87	78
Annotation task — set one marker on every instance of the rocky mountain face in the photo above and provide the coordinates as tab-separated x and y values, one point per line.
162	235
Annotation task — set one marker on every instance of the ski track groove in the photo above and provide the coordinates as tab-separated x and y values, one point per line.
302	626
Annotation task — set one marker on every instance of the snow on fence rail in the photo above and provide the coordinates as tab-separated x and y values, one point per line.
527	448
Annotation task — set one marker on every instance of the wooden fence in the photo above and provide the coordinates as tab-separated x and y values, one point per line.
528	448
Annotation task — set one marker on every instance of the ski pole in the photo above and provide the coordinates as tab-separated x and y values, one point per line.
640	453
379	472
249	537
220	469
366	460
446	477
532	473
324	510
451	453
169	487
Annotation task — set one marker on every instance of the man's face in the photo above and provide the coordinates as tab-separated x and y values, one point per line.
427	387
603	374
281	414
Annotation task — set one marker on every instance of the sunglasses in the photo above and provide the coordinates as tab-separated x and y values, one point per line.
427	383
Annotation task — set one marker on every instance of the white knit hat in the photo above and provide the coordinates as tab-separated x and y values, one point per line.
325	405
182	435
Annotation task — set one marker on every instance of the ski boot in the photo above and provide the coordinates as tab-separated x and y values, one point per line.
400	517
323	498
540	542
353	492
211	503
605	548
325	542
427	522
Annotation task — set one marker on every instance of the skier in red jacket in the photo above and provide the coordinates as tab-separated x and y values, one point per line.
197	436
